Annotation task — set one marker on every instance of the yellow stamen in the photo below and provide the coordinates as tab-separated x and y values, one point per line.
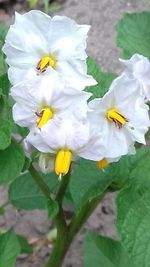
46	62
113	114
101	164
62	162
42	117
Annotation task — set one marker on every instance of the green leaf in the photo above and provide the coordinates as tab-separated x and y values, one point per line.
32	3
5	110
11	162
121	170
19	130
87	182
103	79
3	31
4	84
2	210
53	208
3	65
9	249
133	213
3	106
133	34
5	134
105	252
26	164
25	194
25	247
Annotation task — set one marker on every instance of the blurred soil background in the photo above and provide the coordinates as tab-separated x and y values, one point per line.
102	15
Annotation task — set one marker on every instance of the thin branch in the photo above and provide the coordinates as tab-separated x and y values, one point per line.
39	181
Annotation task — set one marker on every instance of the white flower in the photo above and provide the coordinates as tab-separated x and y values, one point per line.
38	41
67	138
121	116
138	67
103	163
40	99
46	160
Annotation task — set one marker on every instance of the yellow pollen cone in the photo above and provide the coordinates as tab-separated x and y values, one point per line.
114	115
45	62
45	115
101	164
62	162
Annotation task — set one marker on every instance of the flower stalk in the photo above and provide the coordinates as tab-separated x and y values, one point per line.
39	181
66	233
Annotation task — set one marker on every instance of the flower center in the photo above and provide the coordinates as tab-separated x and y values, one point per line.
113	114
45	62
43	116
101	164
62	162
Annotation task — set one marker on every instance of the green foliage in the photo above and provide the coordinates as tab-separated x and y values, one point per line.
5	123
4	107
53	208
11	162
5	134
133	213
9	249
3	31
103	79
24	246
25	194
4	84
133	34
32	3
105	252
87	182
48	7
121	170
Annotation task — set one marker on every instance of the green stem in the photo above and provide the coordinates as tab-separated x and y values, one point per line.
39	181
79	219
61	244
66	236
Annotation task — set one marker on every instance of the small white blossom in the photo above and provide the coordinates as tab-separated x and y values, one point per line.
40	99
68	138
138	67
121	116
38	41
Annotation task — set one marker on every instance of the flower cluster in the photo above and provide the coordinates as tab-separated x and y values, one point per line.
48	71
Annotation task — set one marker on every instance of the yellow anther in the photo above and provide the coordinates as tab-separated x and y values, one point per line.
62	162
113	114
43	116
46	62
101	164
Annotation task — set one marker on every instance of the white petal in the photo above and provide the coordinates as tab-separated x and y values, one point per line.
23	116
67	38
36	140
75	78
138	67
26	35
